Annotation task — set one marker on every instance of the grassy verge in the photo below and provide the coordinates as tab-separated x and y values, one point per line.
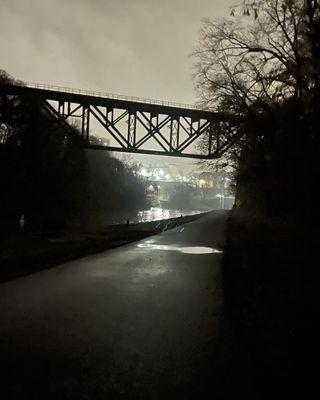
23	253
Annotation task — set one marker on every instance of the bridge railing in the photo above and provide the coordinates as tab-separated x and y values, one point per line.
107	95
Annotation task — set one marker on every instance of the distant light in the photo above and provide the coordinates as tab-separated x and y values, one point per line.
167	176
144	172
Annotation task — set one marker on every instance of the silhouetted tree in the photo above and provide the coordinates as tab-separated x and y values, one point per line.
264	65
42	166
48	176
113	191
181	195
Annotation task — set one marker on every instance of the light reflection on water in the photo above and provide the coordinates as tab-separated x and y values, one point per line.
155	214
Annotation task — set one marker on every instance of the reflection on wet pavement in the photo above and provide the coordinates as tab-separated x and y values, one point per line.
146	272
199	250
185	250
130	322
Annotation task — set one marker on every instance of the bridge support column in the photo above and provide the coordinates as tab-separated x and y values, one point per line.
211	132
85	127
174	134
132	126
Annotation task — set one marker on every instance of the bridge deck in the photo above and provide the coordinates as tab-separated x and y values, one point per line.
59	93
133	124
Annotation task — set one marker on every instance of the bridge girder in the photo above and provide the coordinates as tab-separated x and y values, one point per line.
133	126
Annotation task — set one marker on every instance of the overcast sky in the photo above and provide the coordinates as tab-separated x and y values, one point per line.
134	47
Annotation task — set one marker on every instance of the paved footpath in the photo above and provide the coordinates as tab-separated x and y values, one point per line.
143	321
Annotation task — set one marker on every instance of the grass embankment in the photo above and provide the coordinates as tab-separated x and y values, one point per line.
268	274
22	253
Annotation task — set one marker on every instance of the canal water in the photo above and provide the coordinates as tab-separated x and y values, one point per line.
157	213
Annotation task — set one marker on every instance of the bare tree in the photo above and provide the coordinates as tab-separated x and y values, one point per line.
265	53
264	59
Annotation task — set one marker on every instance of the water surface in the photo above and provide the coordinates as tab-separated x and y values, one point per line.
157	213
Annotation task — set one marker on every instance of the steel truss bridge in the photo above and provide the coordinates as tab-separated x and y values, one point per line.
130	124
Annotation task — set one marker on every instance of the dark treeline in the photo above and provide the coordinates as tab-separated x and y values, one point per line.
114	192
266	69
263	63
181	196
278	166
48	176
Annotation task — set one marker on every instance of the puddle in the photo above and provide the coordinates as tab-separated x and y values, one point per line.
185	250
200	250
155	246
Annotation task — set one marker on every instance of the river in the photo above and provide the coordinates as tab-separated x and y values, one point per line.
157	213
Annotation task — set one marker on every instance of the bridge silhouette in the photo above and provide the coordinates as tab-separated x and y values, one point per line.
130	124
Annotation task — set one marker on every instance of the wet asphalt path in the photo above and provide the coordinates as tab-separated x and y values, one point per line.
143	321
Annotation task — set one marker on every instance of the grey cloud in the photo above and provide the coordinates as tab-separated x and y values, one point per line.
135	47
